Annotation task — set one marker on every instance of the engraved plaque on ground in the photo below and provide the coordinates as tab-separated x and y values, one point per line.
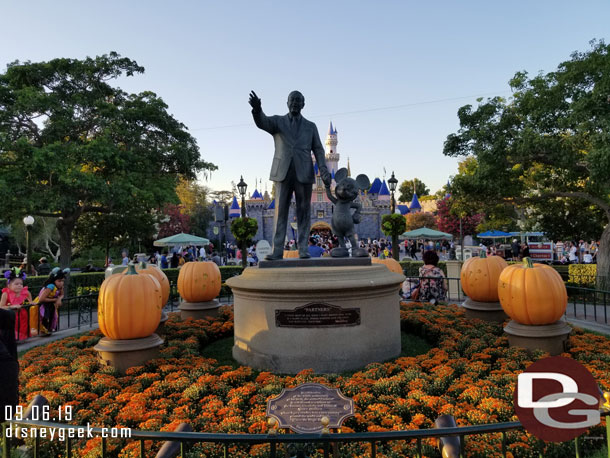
317	315
301	409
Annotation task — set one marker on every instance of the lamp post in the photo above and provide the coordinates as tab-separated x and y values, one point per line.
241	187
28	221
392	182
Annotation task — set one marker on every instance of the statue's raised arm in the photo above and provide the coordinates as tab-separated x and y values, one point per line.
255	101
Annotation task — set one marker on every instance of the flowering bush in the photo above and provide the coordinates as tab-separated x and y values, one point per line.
583	274
470	374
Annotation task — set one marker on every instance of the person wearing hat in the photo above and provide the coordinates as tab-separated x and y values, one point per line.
23	267
44	268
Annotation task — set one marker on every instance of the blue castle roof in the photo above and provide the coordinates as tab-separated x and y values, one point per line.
415	205
404	209
256	195
332	130
271	205
315	168
375	187
384	191
234	210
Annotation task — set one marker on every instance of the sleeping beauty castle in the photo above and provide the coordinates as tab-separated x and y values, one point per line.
375	202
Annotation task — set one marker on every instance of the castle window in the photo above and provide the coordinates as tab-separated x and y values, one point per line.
320	197
320	213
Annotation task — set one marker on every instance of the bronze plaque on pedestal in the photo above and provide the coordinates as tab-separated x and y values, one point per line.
317	315
301	409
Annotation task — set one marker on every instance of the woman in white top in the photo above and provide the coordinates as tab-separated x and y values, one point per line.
573	257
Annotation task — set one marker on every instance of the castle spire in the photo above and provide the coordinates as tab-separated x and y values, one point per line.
349	170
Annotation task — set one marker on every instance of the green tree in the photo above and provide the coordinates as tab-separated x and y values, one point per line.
420	219
71	144
547	145
195	203
406	190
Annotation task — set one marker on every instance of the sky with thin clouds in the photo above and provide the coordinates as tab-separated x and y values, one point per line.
390	75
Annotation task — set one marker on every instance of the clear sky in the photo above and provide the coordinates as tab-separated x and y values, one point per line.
390	75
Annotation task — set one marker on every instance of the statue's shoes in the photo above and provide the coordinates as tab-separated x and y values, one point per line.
274	257
304	255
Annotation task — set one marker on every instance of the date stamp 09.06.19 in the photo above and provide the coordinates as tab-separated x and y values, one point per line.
44	413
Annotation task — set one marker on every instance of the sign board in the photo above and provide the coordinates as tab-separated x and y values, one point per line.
317	315
302	408
262	249
541	251
215	230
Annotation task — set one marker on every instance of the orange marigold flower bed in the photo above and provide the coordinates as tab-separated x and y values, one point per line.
470	374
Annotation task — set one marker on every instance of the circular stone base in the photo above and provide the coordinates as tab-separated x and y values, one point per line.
329	319
123	354
488	311
198	310
551	338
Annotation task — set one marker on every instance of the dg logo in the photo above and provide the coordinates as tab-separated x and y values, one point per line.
557	399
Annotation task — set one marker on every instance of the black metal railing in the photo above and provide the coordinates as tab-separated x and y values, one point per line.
452	287
74	313
327	441
588	304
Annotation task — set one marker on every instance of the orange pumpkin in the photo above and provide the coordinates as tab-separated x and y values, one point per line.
480	277
392	264
532	293
153	270
199	281
291	253
129	305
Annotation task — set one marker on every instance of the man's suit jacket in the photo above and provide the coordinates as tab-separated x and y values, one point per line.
292	144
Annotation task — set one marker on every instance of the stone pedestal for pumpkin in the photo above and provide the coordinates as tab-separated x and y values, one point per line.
198	310
551	338
123	354
488	311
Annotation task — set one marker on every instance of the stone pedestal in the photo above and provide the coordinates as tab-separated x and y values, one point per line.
198	310
160	331
123	354
551	338
488	311
330	318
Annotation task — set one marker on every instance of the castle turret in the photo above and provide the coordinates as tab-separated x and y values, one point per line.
332	156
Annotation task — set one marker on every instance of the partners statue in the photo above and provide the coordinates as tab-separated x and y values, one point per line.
292	170
343	221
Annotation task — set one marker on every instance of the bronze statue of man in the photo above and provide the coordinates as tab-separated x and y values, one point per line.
292	170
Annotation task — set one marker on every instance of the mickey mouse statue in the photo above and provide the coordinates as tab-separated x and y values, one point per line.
343	221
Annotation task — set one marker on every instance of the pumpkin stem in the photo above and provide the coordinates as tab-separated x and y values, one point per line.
143	265
527	262
131	270
483	254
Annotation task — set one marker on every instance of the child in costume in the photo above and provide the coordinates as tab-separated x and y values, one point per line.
49	300
14	296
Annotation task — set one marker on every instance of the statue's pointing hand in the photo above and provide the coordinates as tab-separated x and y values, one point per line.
254	101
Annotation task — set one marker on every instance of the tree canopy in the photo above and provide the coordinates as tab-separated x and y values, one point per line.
71	143
406	189
547	145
